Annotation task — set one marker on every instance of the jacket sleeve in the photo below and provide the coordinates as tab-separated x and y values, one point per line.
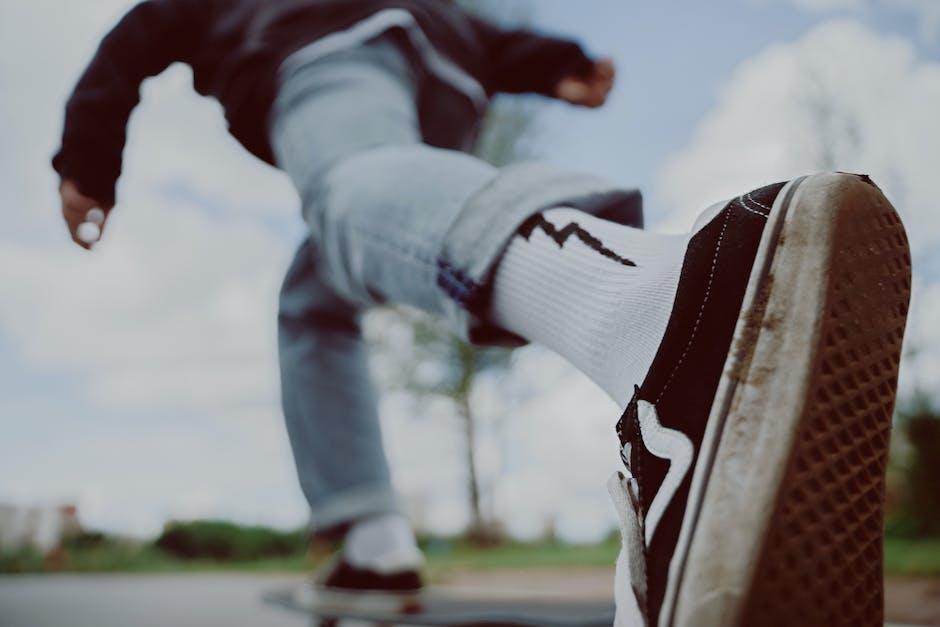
525	62
149	38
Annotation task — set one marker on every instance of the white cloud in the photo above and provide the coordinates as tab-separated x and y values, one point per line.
550	457
545	446
921	372
170	324
829	5
925	12
164	336
172	316
842	98
147	311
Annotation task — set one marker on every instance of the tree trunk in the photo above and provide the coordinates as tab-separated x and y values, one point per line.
479	530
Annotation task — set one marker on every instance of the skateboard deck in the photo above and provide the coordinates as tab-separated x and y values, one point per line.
450	606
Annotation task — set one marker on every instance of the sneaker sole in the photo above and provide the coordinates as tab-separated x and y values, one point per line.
784	523
330	602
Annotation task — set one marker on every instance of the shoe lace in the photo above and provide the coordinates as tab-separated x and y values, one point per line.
624	488
630	583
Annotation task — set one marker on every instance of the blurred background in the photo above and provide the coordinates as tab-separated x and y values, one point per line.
138	384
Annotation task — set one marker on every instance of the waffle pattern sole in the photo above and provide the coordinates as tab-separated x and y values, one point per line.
785	524
821	562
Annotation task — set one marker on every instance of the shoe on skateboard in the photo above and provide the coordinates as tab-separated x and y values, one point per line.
755	448
340	588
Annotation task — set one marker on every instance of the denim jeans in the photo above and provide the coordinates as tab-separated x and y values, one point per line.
390	220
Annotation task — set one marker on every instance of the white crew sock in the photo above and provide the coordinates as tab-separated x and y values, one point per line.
384	543
566	282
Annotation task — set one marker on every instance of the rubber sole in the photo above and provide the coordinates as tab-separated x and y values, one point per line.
784	524
444	606
332	602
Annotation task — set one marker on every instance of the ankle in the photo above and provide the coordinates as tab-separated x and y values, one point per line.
598	293
384	543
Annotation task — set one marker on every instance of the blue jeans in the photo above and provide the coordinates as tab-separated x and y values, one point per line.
390	220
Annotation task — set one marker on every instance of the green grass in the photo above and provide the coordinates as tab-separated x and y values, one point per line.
139	559
912	557
20	561
152	560
442	555
903	557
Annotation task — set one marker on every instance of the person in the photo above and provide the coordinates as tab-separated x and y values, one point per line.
755	357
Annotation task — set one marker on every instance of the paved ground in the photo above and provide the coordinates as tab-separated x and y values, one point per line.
142	601
913	601
908	601
234	600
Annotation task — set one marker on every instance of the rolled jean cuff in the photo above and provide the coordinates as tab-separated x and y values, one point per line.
479	235
333	517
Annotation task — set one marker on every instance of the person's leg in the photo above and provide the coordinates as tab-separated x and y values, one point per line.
324	373
381	208
444	232
393	220
684	298
327	394
597	292
330	411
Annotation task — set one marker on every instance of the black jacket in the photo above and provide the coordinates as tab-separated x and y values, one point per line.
235	48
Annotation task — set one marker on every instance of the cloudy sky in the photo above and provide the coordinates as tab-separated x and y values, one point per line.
140	381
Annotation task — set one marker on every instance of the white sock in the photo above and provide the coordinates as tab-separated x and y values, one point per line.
596	292
384	543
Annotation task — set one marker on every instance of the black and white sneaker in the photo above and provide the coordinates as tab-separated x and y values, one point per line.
755	449
340	588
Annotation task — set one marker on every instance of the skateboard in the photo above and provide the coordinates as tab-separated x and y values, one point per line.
445	606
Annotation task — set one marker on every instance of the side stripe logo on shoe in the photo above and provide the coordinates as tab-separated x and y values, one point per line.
671	445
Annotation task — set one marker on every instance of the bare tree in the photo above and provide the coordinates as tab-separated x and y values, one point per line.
834	130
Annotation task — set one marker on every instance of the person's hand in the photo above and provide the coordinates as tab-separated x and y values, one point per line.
84	215
591	90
